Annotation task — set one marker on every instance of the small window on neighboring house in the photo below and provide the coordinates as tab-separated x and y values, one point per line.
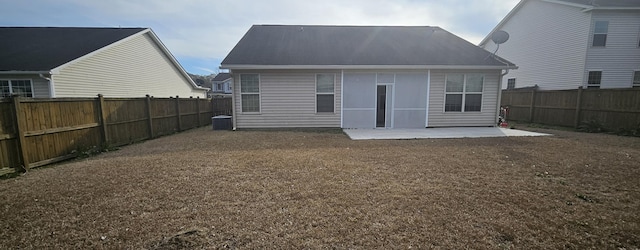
219	86
16	87
594	79
250	92
511	83
463	93
325	84
636	79
600	33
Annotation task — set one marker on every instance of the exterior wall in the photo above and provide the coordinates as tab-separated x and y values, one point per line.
548	42
287	99
133	68
486	117
40	85
621	55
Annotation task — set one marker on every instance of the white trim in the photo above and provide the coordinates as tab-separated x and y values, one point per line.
360	109
341	98
259	93
463	93
325	93
234	118
18	72
33	91
426	117
365	67
569	4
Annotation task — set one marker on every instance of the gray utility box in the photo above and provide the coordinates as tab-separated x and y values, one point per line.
222	122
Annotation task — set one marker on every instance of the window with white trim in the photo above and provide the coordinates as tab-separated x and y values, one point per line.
594	79
600	30
325	86
22	88
463	92
636	78
250	92
511	83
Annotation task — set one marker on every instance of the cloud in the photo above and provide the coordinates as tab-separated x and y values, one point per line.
208	29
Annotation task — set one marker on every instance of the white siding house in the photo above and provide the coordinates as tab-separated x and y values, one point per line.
552	42
362	77
85	62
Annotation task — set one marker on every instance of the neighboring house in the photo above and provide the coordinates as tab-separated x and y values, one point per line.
361	77
44	62
222	84
566	44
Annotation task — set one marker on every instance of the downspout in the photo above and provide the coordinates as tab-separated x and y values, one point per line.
500	94
52	90
233	100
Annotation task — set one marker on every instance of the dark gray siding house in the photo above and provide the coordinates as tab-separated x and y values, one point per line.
362	77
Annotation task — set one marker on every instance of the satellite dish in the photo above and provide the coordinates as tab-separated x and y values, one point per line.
500	37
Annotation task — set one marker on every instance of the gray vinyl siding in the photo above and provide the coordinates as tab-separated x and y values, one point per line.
621	55
40	85
287	99
487	115
132	68
548	42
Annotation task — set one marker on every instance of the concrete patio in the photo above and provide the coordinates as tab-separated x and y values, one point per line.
426	133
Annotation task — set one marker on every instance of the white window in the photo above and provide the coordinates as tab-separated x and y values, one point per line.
250	92
636	78
600	30
511	83
22	88
594	79
325	85
463	93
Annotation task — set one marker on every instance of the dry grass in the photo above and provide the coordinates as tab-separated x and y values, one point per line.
297	189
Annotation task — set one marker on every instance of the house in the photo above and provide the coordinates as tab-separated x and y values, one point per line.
362	77
221	84
566	44
46	62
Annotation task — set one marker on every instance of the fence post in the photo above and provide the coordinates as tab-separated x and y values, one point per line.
103	120
198	111
533	103
576	122
178	113
20	129
149	117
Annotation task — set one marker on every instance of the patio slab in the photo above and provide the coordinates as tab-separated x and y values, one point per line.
426	133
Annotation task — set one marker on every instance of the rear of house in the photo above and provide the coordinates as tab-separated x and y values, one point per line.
362	77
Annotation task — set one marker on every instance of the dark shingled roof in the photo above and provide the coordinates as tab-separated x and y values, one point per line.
45	48
355	45
606	3
221	77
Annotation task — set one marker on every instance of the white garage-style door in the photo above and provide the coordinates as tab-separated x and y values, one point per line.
384	100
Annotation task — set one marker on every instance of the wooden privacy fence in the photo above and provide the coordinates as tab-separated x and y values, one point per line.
36	132
612	109
221	106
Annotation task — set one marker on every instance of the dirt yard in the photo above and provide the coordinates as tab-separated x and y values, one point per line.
317	189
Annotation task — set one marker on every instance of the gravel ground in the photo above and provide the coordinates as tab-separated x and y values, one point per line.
297	189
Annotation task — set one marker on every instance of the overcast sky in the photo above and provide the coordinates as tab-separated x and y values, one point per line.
200	33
